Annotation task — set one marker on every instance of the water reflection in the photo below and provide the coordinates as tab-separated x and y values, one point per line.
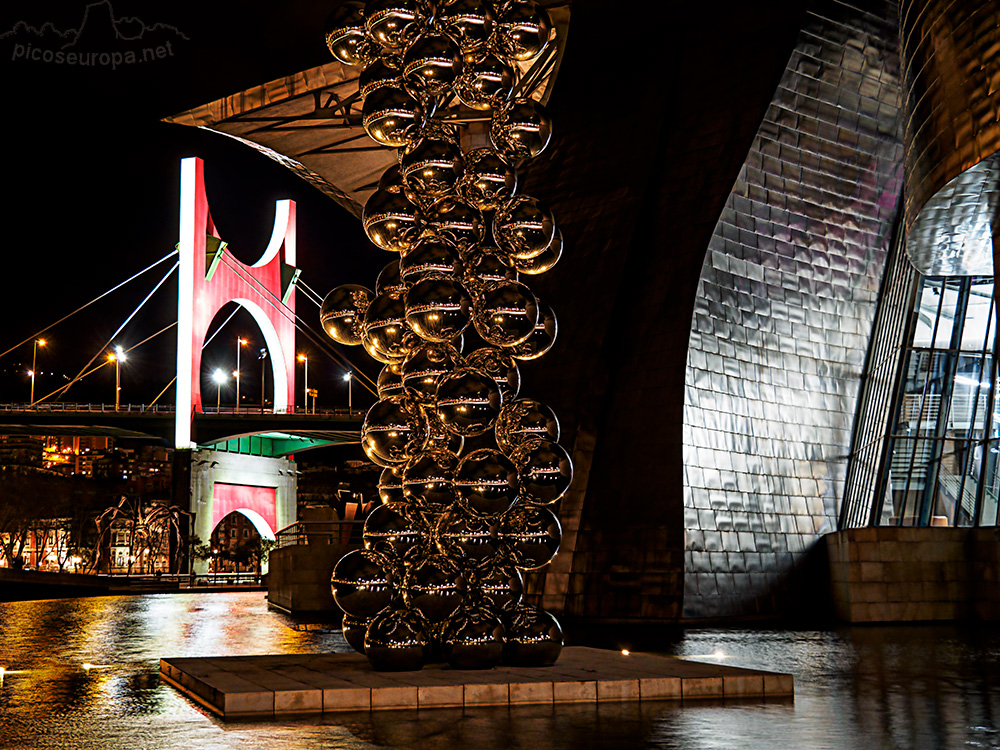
907	687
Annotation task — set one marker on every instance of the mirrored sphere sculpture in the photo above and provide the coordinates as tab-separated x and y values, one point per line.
523	30
391	221
532	638
342	314
360	584
473	640
505	313
396	641
472	473
391	116
523	227
486	482
393	431
345	34
520	130
468	401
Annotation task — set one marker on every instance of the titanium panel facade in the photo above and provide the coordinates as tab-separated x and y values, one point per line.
784	312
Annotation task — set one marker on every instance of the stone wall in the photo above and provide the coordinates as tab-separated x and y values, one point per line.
893	574
299	578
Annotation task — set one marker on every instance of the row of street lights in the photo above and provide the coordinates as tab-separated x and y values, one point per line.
219	376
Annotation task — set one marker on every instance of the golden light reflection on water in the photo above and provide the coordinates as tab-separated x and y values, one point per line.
867	687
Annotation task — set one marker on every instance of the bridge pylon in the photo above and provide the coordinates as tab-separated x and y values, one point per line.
210	277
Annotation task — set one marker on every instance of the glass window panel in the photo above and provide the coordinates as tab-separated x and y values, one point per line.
978	317
991	481
953	502
928	305
970	392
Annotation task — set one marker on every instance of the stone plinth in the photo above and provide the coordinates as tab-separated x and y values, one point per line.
267	686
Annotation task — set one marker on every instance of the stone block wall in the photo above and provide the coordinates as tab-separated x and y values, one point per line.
894	574
299	577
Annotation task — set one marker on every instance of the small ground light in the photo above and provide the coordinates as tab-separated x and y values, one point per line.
625	652
718	654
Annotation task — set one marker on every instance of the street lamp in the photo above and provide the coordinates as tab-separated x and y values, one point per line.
34	354
118	357
263	368
240	342
305	361
347	377
219	377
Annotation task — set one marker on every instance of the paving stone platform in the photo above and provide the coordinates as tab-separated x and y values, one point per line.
244	687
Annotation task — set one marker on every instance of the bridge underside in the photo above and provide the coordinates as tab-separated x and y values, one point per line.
270	435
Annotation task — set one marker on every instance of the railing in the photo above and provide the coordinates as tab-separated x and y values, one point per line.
249	411
319	532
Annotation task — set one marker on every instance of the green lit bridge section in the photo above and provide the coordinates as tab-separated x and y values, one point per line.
278	444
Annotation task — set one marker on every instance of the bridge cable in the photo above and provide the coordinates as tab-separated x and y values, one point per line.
108	362
84	307
125	323
294	318
309	293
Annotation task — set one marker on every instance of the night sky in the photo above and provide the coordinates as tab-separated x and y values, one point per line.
93	179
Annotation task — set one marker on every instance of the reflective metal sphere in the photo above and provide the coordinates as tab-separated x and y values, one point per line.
486	482
424	365
393	533
484	267
497	587
456	222
391	221
532	535
345	34
532	638
520	130
545	471
523	420
466	539
354	632
542	337
488	181
378	73
390	488
434	587
429	478
342	314
393	431
396	642
390	380
524	227
392	23
440	438
438	308
468	401
505	314
430	255
544	260
522	30
470	22
473	640
360	583
485	83
386	328
431	167
391	116
389	281
431	64
500	366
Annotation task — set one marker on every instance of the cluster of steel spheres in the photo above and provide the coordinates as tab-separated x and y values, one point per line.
470	468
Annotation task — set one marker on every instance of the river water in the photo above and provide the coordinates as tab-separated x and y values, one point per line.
83	673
